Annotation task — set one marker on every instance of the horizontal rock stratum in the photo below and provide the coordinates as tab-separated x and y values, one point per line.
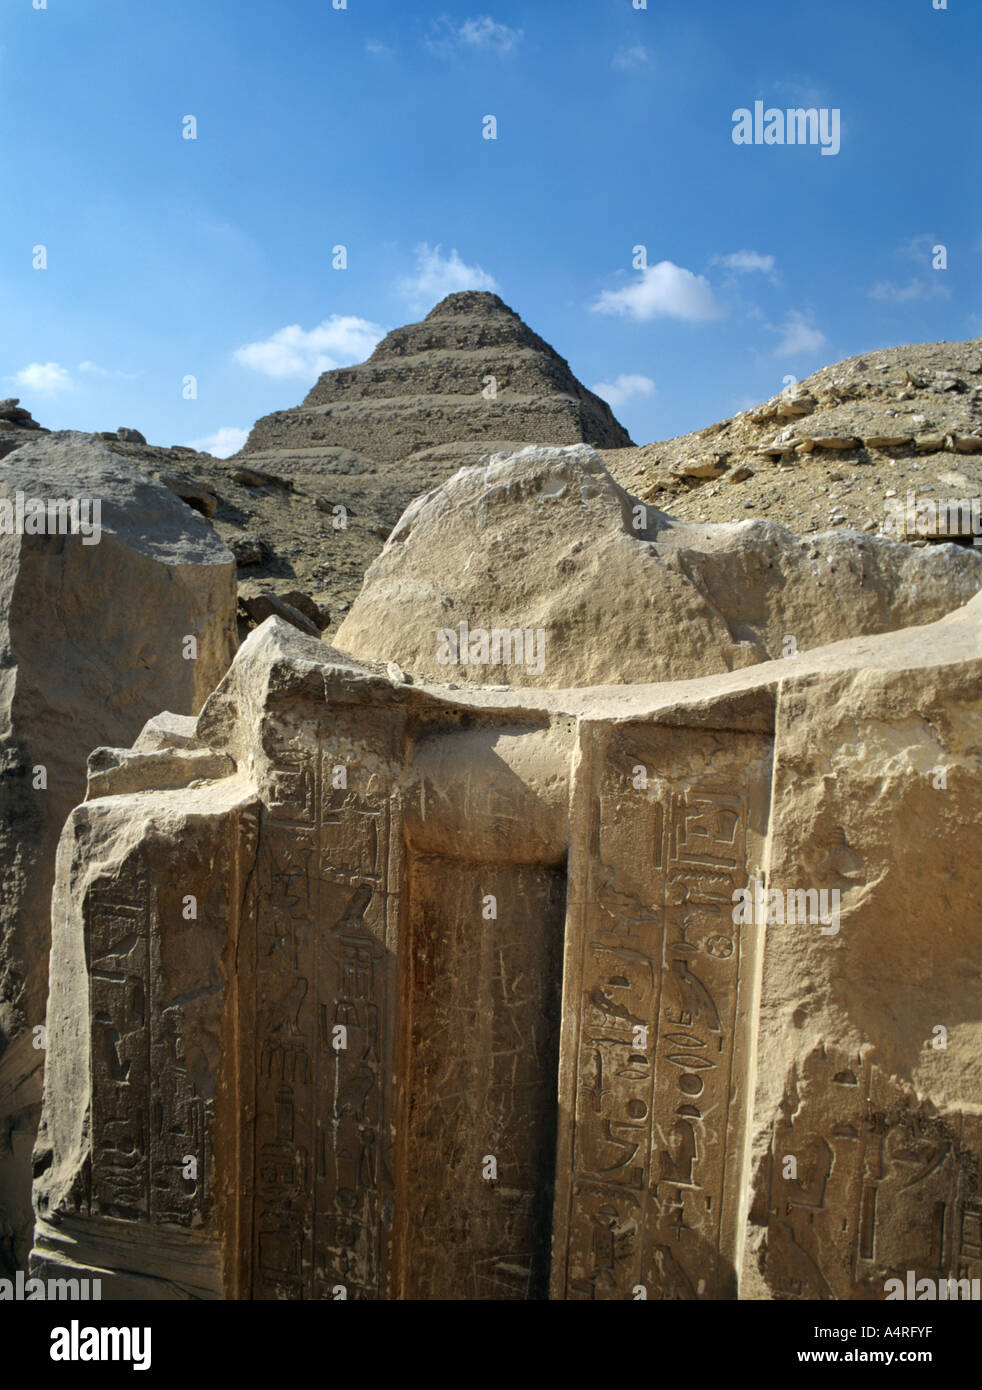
470	371
830	450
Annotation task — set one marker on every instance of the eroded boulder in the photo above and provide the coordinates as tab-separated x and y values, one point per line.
99	630
546	549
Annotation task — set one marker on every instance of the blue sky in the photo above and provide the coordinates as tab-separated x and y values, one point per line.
169	257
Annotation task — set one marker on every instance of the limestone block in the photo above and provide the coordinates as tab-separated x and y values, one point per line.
543	548
871	1038
659	1010
165	730
481	1015
142	961
93	640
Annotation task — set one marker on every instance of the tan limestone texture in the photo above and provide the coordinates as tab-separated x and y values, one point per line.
545	542
469	1009
92	643
879	1029
831	450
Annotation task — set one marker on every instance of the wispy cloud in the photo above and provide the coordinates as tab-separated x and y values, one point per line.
378	50
624	388
223	443
664	290
634	57
305	353
46	378
914	289
485	34
438	275
918	248
799	336
744	262
94	369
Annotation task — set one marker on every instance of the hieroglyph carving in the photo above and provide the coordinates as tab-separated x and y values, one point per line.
324	910
659	988
149	1127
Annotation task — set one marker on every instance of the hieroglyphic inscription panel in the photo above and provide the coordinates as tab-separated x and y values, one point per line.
149	1160
864	1186
482	1066
119	999
658	985
325	917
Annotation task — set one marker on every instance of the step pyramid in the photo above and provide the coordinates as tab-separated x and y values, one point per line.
426	386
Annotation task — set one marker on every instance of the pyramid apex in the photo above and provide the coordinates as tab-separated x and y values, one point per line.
469	302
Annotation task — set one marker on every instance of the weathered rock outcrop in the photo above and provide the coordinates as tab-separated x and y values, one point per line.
544	542
831	450
98	630
16	425
470	371
326	1055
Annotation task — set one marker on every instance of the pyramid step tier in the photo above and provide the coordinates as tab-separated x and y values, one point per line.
392	430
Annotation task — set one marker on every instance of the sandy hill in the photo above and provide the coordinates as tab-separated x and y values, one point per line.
833	449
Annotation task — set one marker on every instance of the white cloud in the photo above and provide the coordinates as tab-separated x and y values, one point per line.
483	33
663	291
96	370
438	275
46	378
223	443
379	50
744	261
297	352
914	289
625	388
799	336
633	57
918	248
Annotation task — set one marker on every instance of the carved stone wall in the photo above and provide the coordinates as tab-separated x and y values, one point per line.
866	1150
323	909
468	1011
136	1090
659	995
481	1123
